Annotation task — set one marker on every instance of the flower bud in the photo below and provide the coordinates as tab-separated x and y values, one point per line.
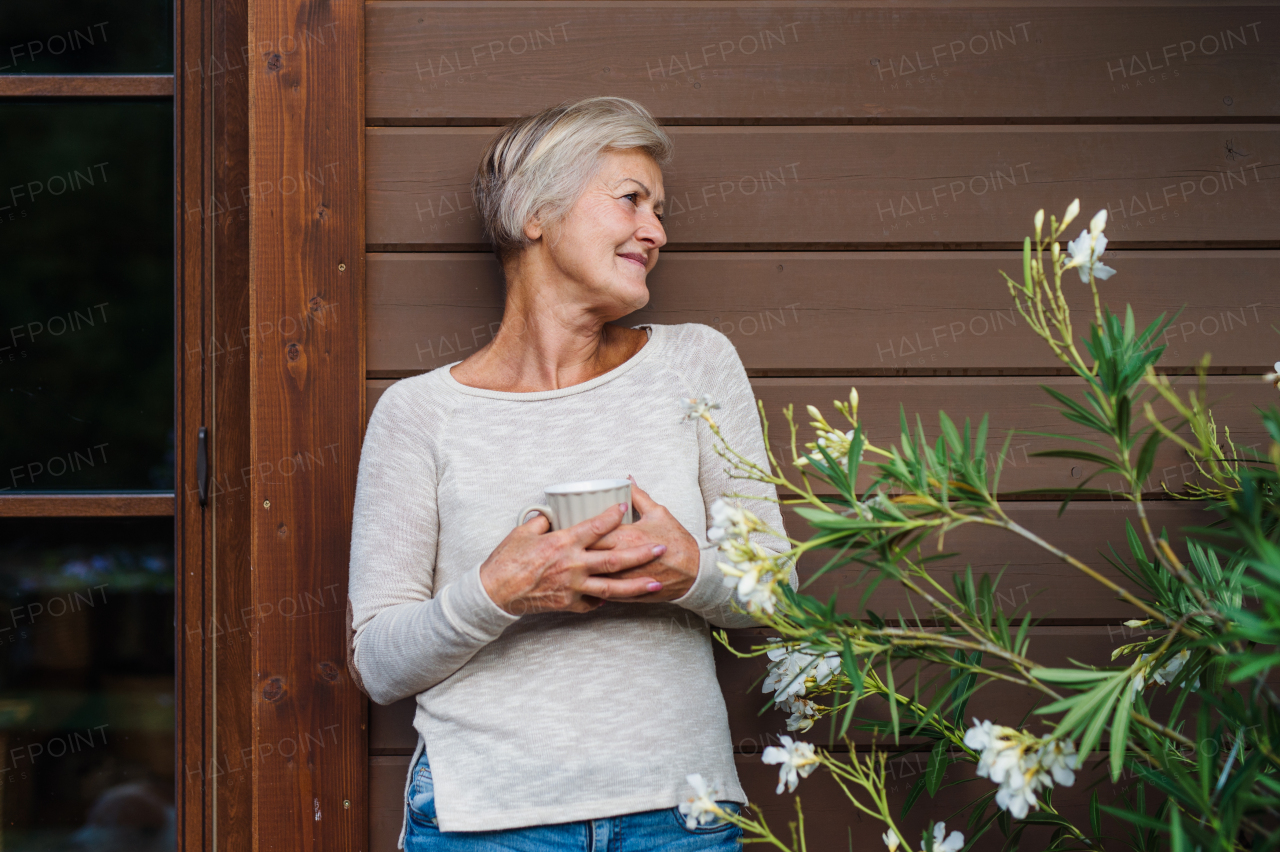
1039	220
1073	210
816	414
1098	222
853	400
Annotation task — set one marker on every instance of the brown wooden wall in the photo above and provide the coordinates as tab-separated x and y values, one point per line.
849	177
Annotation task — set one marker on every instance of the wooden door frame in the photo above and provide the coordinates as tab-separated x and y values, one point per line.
272	746
306	144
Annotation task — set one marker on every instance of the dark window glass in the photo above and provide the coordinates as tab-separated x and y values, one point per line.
86	37
86	684
86	295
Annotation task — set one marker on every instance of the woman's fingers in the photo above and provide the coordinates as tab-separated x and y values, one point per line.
640	498
592	529
609	589
620	558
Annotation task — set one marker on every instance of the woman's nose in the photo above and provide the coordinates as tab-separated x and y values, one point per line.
652	233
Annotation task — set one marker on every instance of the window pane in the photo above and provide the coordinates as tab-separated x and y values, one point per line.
86	684
86	37
86	296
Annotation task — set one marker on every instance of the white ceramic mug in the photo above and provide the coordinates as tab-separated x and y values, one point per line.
574	502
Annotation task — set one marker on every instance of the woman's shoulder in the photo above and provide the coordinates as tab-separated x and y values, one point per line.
694	347
424	401
693	340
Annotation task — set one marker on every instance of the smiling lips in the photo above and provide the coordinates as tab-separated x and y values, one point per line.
634	258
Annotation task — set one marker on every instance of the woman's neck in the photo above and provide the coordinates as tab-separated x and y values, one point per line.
546	345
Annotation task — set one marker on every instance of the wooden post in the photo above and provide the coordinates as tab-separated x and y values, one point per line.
306	124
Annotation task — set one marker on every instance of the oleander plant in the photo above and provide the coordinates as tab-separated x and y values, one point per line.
1183	725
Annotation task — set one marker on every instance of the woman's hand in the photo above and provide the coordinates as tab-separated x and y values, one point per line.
676	569
534	570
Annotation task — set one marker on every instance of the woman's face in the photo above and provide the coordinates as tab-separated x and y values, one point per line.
607	243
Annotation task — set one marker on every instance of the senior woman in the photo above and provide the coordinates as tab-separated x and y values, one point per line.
564	679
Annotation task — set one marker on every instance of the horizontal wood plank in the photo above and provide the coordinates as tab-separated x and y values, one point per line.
1012	403
86	505
86	86
845	313
831	822
1030	578
867	187
844	61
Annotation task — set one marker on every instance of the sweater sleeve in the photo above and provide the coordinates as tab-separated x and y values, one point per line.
711	366
406	637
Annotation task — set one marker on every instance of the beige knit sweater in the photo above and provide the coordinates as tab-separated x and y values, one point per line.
549	717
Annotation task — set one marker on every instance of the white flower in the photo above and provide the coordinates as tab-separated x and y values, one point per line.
702	807
1085	251
1020	763
797	760
698	407
790	669
1274	377
891	840
954	843
1059	759
1098	222
730	521
803	713
753	571
1165	674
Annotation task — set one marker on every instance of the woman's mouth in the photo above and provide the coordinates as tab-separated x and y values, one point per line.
635	258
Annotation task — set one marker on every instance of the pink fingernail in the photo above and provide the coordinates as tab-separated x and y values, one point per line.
654	586
659	549
622	506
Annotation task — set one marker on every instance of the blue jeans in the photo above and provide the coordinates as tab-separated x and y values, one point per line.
645	831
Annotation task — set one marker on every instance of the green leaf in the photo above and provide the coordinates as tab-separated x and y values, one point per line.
916	789
1095	815
1120	733
1146	457
1026	262
1093	731
1070	675
936	768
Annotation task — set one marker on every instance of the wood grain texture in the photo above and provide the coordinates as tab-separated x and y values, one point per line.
86	86
1030	579
86	505
487	61
845	313
867	187
224	355
307	366
832	824
1012	403
194	574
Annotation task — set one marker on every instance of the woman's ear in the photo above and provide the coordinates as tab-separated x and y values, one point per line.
533	228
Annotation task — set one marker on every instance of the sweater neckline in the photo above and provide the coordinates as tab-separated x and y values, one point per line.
655	338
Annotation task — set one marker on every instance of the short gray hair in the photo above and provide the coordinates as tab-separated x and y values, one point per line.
540	164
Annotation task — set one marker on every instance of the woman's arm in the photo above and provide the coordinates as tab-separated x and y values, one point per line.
721	376
407	638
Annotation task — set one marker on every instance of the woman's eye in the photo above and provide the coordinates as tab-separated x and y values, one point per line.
634	196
